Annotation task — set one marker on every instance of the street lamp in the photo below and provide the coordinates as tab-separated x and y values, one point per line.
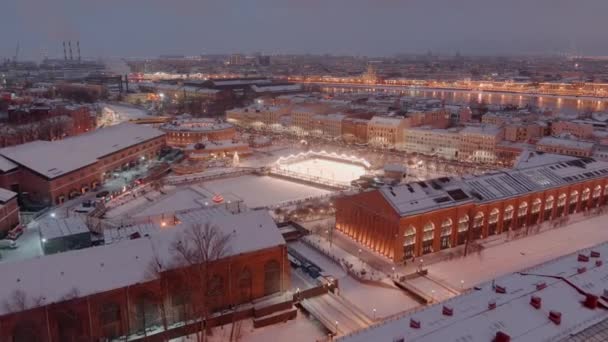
462	285
374	311
393	272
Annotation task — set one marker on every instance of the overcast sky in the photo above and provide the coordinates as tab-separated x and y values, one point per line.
357	27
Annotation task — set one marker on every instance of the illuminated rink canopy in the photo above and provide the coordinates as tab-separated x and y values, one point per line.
322	167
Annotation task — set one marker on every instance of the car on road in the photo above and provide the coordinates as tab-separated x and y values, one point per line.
102	194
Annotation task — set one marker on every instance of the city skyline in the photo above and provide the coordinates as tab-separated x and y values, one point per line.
361	27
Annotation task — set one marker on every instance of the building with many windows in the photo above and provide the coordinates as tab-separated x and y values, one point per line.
423	217
386	131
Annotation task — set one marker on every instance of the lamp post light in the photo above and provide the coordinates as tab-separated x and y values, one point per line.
462	285
393	272
374	312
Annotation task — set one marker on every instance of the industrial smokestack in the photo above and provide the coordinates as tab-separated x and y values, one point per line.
70	46
65	54
78	49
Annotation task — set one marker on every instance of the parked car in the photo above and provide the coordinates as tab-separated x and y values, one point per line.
8	244
102	194
14	233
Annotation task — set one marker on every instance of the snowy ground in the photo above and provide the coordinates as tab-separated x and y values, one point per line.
181	200
28	246
518	254
300	329
326	169
123	113
262	191
386	301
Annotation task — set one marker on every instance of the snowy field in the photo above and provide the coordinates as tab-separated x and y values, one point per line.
181	200
519	254
326	169
386	301
258	191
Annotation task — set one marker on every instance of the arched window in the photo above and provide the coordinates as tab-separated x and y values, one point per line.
507	218
561	200
216	286
446	227
463	223
523	209
597	191
549	203
409	241
272	277
180	305
536	204
477	225
245	281
428	235
463	229
493	221
146	313
110	319
446	233
69	327
586	194
573	197
26	331
509	212
573	202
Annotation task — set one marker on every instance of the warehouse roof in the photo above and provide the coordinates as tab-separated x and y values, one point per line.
49	279
561	285
56	158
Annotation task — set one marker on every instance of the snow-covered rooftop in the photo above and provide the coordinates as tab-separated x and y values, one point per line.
487	130
552	141
55	158
564	291
53	278
386	121
6	195
51	228
6	165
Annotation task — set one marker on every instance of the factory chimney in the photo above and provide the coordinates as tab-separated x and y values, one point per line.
78	49
65	54
70	46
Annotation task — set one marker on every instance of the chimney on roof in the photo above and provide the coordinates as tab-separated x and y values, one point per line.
502	337
415	323
535	301
590	301
555	317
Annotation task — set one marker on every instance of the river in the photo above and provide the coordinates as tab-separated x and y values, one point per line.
566	104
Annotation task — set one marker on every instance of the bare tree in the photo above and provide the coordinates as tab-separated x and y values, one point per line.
20	302
194	250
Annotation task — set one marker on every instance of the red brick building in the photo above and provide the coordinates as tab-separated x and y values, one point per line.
9	211
354	130
111	291
423	217
185	131
54	171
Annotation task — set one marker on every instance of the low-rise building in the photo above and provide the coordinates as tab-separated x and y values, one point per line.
9	212
565	146
355	130
141	286
418	218
386	131
54	171
438	142
186	130
478	143
579	130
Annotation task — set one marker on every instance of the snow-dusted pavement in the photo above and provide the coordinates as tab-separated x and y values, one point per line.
300	329
386	301
258	191
518	254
